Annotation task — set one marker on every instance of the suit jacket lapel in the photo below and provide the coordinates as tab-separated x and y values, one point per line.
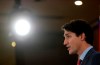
88	55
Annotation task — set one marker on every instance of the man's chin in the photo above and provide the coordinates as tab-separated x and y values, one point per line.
70	52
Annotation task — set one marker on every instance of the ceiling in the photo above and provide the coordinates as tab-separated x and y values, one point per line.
53	13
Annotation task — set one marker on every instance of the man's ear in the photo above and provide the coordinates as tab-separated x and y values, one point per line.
82	36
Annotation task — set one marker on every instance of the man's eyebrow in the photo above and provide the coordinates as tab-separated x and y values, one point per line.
66	34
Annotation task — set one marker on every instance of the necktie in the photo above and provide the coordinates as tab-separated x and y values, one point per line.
79	62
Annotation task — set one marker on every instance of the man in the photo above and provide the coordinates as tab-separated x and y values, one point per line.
79	40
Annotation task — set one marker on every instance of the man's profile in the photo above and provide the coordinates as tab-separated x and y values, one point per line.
78	36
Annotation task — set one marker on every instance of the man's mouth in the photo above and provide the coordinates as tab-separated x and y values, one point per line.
68	47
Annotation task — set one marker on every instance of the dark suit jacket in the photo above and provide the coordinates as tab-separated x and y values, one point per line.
91	58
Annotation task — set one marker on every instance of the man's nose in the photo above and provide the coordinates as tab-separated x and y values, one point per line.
65	41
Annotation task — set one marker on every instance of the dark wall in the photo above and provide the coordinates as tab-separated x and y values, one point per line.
47	49
96	38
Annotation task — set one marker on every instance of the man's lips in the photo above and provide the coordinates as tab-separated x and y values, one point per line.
68	47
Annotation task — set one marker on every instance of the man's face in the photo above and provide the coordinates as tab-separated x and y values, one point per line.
72	42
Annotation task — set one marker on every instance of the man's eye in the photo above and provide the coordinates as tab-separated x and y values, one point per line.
68	36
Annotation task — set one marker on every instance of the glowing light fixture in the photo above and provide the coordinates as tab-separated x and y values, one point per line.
22	27
13	44
78	2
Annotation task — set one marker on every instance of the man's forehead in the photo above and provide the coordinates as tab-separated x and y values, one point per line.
67	32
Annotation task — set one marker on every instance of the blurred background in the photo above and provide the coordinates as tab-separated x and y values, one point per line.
42	44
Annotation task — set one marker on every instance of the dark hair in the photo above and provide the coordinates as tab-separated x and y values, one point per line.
78	27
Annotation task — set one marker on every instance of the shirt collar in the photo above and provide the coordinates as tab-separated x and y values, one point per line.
85	52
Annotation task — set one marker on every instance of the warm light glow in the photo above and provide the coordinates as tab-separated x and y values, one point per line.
22	27
78	2
13	44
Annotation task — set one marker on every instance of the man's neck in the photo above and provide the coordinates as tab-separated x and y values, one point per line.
83	48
